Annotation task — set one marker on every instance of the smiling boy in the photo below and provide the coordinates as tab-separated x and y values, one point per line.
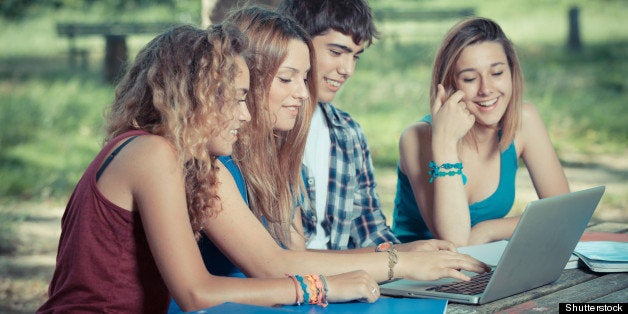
345	211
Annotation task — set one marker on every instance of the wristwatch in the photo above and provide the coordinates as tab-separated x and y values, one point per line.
384	247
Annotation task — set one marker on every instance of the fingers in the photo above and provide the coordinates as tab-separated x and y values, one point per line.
355	285
445	263
440	99
443	99
372	295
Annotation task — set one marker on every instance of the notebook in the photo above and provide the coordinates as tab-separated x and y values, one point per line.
535	255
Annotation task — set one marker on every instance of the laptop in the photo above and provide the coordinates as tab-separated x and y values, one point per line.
535	255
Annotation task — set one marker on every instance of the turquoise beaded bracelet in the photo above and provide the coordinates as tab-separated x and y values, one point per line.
449	170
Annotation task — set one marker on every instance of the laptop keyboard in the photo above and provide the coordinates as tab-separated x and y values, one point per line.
476	285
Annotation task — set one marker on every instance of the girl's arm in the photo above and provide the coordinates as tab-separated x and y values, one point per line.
536	150
156	184
539	155
442	203
245	241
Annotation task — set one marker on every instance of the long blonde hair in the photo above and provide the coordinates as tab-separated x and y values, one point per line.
270	160
469	32
179	87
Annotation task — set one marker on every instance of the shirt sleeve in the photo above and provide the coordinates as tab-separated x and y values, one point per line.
369	227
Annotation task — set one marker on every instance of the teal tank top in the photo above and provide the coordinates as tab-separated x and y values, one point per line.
408	225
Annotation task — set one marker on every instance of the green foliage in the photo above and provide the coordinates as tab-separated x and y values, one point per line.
18	9
51	114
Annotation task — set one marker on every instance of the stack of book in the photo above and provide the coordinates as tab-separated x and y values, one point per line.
604	256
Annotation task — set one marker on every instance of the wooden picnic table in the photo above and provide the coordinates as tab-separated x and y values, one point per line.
574	286
115	42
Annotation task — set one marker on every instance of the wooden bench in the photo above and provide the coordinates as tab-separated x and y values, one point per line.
421	14
115	42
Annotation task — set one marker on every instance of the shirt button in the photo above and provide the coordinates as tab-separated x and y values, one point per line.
310	181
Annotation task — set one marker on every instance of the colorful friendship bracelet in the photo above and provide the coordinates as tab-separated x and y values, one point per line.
322	300
306	295
435	171
324	281
296	289
314	289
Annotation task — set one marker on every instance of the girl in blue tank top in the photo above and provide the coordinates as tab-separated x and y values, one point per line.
457	166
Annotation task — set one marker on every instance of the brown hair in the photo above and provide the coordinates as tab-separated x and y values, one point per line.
470	32
270	160
179	88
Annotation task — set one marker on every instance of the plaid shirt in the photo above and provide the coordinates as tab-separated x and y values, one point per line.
353	217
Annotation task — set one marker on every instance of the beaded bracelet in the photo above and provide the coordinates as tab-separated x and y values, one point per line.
435	171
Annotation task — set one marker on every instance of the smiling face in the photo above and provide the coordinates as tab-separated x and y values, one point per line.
222	144
336	57
288	89
483	73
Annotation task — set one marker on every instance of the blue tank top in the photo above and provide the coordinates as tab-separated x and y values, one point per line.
216	262
408	225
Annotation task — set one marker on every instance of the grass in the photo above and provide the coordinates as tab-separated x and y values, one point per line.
51	114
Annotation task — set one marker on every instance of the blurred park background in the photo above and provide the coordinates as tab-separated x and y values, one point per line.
52	100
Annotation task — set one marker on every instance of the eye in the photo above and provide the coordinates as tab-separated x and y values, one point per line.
284	80
498	73
468	80
335	52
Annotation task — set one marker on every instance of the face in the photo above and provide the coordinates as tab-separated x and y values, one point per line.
222	144
336	56
289	87
482	72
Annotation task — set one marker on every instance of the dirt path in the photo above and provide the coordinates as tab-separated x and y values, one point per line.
24	276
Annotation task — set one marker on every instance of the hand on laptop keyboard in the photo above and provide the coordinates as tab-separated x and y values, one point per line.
476	285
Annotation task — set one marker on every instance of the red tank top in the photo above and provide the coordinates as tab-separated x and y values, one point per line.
104	263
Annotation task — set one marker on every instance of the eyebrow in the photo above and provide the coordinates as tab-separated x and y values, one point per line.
291	69
345	48
473	69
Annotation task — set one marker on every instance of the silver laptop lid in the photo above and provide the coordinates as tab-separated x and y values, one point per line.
547	233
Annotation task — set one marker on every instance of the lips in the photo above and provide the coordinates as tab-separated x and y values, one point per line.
333	83
487	103
292	110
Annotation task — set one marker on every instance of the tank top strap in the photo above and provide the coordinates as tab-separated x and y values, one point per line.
113	155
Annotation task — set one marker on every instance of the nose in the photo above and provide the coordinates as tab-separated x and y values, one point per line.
301	92
486	87
243	113
347	65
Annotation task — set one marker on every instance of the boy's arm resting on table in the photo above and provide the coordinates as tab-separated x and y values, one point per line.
245	241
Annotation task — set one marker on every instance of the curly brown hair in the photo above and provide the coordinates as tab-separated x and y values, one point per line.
180	87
